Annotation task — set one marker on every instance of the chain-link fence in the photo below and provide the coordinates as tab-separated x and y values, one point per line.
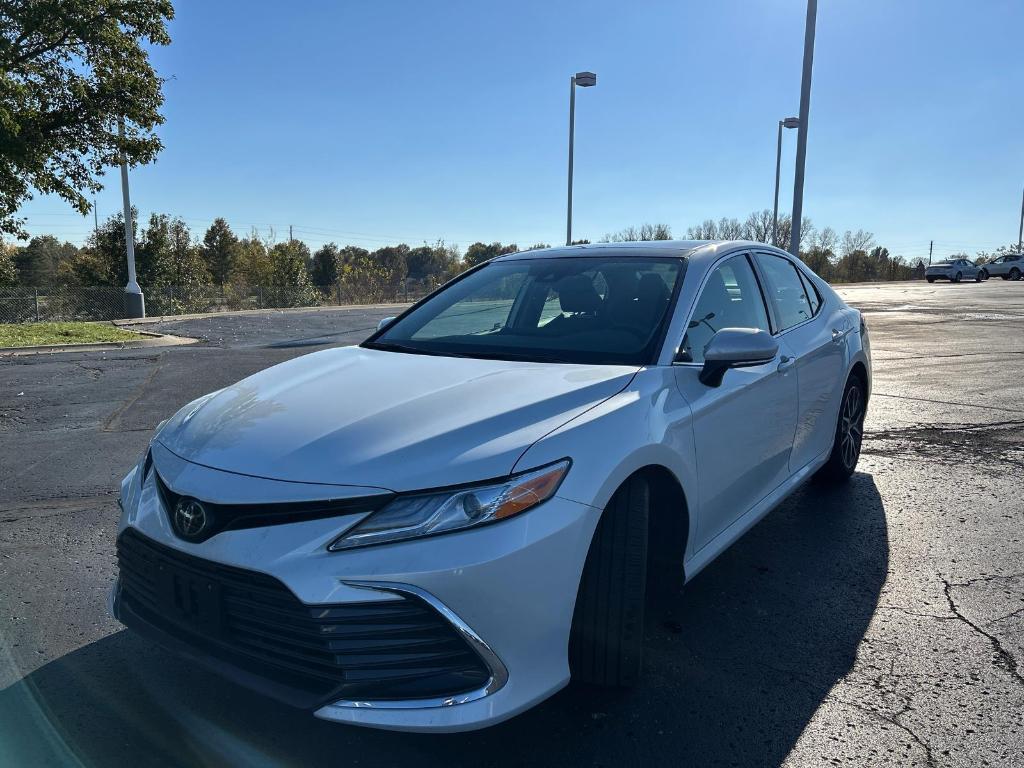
72	302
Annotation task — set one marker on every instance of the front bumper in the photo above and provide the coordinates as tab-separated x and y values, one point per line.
507	589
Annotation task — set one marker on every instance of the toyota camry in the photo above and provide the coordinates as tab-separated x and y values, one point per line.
440	527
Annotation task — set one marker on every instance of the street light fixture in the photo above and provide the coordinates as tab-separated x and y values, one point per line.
583	80
789	122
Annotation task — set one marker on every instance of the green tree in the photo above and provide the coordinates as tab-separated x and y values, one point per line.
478	253
8	272
39	261
253	265
69	73
326	263
289	279
220	249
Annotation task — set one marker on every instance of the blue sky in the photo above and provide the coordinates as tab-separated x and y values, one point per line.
396	120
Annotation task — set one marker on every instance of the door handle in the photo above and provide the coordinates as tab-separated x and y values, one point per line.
785	363
838	335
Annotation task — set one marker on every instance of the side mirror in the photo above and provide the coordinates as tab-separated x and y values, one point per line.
736	348
385	323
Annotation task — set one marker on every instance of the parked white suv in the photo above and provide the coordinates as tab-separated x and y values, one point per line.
1008	267
434	530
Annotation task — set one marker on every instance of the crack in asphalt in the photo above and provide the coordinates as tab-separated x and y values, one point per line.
1009	663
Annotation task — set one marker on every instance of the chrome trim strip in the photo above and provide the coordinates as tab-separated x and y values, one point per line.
499	673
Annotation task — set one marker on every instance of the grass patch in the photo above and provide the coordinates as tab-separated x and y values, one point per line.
34	334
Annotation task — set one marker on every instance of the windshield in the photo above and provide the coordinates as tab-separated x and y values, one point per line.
571	310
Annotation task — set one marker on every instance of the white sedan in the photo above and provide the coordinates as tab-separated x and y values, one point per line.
437	529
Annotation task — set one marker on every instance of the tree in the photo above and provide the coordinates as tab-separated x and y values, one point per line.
643	232
758	226
478	253
8	272
253	266
70	72
326	263
289	278
220	249
39	261
856	241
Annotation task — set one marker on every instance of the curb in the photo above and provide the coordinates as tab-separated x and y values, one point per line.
154	340
242	312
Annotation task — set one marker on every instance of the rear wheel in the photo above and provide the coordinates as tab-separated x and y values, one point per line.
606	642
930	279
958	277
978	277
849	434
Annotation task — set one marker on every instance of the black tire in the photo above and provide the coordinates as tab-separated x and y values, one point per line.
984	274
978	277
1004	277
849	434
606	642
957	277
1015	274
930	279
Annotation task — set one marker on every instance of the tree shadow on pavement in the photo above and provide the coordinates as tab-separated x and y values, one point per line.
735	669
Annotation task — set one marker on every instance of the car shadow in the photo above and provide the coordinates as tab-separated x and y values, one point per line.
736	667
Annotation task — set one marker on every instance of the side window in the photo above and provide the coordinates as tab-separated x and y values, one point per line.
730	298
785	291
812	293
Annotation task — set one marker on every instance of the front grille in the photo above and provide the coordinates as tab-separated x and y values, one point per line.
224	517
380	650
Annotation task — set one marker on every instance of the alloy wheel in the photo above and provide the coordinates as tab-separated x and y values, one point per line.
851	427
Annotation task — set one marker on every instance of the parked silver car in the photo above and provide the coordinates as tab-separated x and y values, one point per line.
955	270
1009	266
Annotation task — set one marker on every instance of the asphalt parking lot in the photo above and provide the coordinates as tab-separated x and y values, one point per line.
881	624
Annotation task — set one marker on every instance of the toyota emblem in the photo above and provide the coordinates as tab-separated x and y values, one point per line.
190	519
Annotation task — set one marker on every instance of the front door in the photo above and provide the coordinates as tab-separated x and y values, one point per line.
743	429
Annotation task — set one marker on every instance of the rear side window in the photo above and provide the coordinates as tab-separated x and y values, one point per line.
812	293
785	291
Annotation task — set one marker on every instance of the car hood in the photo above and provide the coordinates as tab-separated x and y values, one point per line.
355	416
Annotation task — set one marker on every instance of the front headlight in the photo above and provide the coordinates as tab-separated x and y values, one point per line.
409	517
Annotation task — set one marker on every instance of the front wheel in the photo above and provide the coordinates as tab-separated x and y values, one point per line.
1015	274
979	276
930	279
849	434
606	641
958	277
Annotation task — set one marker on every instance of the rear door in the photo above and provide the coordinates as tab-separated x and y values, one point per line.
815	335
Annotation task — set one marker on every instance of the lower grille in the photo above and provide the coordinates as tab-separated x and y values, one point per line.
380	650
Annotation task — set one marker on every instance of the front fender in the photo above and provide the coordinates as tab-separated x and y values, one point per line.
647	424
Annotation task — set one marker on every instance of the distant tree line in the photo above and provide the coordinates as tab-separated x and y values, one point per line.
172	262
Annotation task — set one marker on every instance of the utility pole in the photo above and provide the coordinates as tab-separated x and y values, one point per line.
584	80
95	216
290	238
931	243
1020	230
135	302
801	139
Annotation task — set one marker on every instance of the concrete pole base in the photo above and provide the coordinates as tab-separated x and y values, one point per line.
134	304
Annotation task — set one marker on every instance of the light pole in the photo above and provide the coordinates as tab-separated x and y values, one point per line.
801	139
1020	230
135	302
789	122
583	80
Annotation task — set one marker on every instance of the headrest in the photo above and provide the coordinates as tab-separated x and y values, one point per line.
576	293
652	290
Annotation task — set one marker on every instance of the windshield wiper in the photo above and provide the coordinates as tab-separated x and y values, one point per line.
391	346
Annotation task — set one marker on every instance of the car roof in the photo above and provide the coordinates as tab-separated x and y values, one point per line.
694	250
